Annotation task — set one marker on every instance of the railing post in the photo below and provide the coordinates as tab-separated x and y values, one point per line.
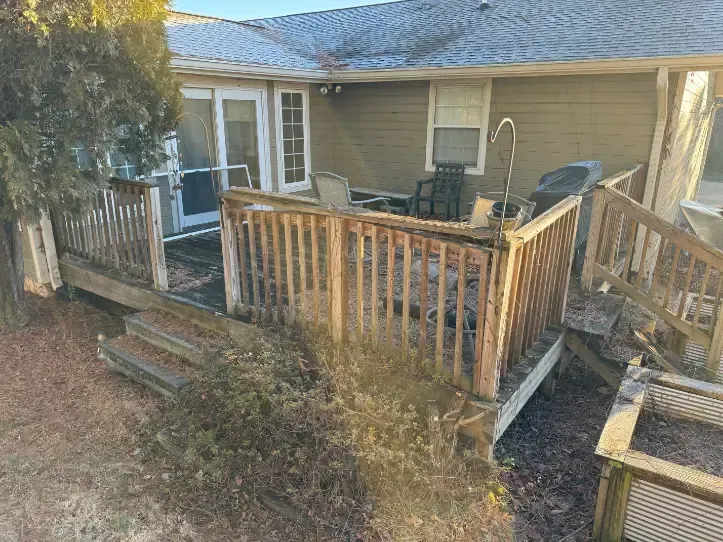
593	238
611	504
338	240
51	254
498	304
716	348
154	226
230	261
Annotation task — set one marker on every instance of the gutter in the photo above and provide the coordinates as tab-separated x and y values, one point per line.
630	65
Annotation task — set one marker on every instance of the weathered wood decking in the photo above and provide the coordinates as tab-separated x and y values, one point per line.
195	269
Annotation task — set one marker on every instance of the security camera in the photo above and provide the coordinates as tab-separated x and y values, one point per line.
324	90
337	89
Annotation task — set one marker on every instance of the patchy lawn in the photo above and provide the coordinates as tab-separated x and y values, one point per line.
75	462
68	457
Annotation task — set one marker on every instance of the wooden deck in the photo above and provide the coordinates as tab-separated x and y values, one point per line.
195	269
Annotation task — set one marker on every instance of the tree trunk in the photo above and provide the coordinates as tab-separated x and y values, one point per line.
12	274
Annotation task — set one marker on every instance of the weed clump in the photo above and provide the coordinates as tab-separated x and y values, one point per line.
257	424
344	444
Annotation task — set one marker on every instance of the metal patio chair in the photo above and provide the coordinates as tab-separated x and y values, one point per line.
445	188
333	189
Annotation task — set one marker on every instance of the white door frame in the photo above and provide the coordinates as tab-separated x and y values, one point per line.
216	131
262	131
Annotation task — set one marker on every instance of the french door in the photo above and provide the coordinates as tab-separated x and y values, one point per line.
222	141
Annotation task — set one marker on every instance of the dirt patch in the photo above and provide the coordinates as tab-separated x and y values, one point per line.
146	352
183	329
684	442
69	468
551	473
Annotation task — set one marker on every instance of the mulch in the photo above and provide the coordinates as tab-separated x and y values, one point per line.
684	442
183	329
151	354
547	452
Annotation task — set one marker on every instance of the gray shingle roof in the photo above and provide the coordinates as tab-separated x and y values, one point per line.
216	39
435	33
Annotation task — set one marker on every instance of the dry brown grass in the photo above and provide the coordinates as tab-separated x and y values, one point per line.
68	469
422	486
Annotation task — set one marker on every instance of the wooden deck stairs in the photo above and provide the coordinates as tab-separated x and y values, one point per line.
155	355
587	338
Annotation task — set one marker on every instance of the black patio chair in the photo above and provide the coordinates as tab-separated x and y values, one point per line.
445	188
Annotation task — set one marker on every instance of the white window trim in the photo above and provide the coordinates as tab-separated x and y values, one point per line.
484	125
303	89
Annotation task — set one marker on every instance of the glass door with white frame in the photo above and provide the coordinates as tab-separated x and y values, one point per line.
221	142
242	149
197	158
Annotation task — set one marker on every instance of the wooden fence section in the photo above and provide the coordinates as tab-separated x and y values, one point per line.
353	276
436	293
541	256
684	265
121	229
615	226
642	498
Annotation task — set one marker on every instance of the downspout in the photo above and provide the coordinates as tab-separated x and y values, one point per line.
656	152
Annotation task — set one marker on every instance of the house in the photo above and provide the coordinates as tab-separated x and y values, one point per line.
381	93
612	81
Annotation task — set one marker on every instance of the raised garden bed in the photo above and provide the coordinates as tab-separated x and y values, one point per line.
658	478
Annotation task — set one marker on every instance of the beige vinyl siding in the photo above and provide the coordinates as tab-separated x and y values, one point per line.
375	133
164	193
28	261
689	125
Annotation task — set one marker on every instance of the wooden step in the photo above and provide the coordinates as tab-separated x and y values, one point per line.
147	365
153	334
602	312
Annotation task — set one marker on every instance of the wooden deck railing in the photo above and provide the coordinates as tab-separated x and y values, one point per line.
542	253
121	229
616	227
382	280
667	290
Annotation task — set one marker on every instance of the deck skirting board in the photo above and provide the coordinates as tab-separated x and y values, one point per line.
529	374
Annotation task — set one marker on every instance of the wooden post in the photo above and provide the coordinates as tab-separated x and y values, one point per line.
716	348
593	238
51	254
498	301
230	261
155	238
337	237
610	514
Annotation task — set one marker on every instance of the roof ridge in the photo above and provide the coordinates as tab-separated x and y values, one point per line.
350	8
201	16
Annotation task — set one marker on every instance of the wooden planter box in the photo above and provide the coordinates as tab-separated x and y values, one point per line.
642	498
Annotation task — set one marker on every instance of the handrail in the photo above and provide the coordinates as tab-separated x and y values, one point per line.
679	237
531	229
302	204
133	182
608	258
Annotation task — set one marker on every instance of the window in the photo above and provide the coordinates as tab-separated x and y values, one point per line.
292	138
119	163
121	166
457	125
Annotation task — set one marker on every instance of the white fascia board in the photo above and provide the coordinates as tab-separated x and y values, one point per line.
233	69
